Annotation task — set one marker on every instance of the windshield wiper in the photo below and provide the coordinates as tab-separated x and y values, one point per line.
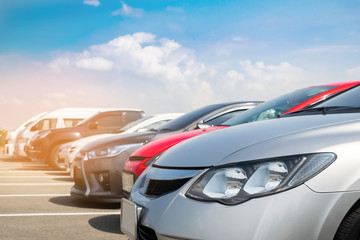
153	130
164	130
324	110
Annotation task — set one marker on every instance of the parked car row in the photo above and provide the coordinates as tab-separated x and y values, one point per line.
98	167
181	169
295	177
105	169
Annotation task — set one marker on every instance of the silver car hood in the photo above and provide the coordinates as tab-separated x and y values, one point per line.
257	140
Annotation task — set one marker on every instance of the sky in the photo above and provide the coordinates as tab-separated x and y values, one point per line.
169	56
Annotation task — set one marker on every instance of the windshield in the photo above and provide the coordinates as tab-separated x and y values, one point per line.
274	108
350	98
189	118
130	125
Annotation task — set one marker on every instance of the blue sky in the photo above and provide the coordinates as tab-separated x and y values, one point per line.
169	56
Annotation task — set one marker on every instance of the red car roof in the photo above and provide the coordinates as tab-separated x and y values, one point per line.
155	147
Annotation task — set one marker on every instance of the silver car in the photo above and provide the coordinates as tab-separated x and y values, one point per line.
291	178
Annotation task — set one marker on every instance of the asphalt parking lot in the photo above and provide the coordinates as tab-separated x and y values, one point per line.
35	204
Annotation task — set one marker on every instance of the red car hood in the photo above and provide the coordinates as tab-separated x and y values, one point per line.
158	146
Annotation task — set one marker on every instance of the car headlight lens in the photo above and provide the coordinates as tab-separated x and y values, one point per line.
110	151
236	183
63	149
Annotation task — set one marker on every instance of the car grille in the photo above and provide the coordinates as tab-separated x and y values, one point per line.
79	179
161	187
145	233
72	149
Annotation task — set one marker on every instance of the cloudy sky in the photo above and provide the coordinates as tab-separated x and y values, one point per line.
169	56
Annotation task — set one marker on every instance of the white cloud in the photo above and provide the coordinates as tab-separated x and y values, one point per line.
330	49
127	11
94	3
235	75
140	54
282	72
159	64
354	72
260	81
95	63
59	63
143	61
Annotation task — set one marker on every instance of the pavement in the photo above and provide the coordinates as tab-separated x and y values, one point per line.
35	203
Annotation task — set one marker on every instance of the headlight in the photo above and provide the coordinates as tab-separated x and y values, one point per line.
236	183
63	149
110	151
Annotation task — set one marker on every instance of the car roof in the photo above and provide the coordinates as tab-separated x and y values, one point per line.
190	118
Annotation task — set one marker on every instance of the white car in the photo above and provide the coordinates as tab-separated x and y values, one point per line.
68	151
65	117
150	122
11	137
292	178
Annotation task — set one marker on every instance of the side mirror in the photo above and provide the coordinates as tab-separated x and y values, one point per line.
202	125
94	125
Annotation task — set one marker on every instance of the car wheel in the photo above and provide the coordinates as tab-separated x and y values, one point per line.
54	160
350	227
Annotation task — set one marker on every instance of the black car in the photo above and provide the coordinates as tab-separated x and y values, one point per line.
44	145
98	168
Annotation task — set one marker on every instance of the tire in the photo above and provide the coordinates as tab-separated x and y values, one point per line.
53	159
349	228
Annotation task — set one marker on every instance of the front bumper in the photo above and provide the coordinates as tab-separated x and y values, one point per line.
299	213
9	150
88	174
19	149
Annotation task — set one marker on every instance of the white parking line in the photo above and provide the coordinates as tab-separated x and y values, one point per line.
36	184
57	214
35	195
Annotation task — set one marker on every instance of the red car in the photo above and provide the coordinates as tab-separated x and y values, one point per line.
291	102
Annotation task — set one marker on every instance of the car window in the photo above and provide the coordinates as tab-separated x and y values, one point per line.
222	118
189	118
130	125
273	108
71	122
110	121
153	125
46	124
